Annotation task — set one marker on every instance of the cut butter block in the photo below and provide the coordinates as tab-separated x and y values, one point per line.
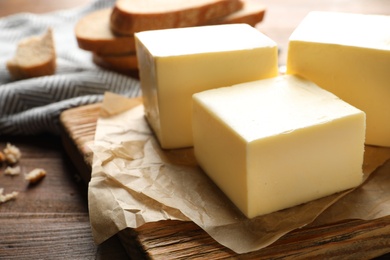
276	143
176	63
348	55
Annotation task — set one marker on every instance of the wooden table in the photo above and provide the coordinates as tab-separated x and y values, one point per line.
50	220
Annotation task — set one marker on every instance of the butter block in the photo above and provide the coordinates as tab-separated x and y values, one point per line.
276	143
348	55
176	63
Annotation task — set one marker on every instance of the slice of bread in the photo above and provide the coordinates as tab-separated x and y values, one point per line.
124	64
130	16
35	56
93	33
252	13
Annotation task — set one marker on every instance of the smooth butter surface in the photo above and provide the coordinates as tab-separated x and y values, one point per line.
276	143
348	55
176	63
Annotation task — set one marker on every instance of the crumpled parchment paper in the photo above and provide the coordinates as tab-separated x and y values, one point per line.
134	182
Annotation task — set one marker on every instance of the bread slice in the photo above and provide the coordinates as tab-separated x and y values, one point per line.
131	16
35	56
124	64
252	13
93	33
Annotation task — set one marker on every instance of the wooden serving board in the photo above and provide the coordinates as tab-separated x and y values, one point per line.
352	239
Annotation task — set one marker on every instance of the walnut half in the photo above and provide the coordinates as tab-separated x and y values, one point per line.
35	175
12	154
6	197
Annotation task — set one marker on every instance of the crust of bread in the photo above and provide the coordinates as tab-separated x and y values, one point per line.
252	13
131	16
93	34
124	64
34	57
43	69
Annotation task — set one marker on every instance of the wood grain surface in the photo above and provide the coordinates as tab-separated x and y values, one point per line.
48	220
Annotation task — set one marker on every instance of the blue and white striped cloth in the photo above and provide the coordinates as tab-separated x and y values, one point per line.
33	106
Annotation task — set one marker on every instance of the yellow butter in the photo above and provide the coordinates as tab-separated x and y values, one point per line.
176	63
348	55
276	143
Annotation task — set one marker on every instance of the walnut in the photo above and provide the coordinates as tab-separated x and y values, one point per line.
7	197
12	154
12	170
35	175
2	157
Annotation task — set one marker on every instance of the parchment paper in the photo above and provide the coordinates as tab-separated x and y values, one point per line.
134	182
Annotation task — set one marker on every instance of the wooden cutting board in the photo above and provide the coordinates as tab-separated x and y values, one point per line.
352	239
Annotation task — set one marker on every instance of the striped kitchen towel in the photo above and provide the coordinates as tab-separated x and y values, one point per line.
33	106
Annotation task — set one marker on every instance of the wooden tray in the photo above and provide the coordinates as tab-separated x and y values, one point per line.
352	239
